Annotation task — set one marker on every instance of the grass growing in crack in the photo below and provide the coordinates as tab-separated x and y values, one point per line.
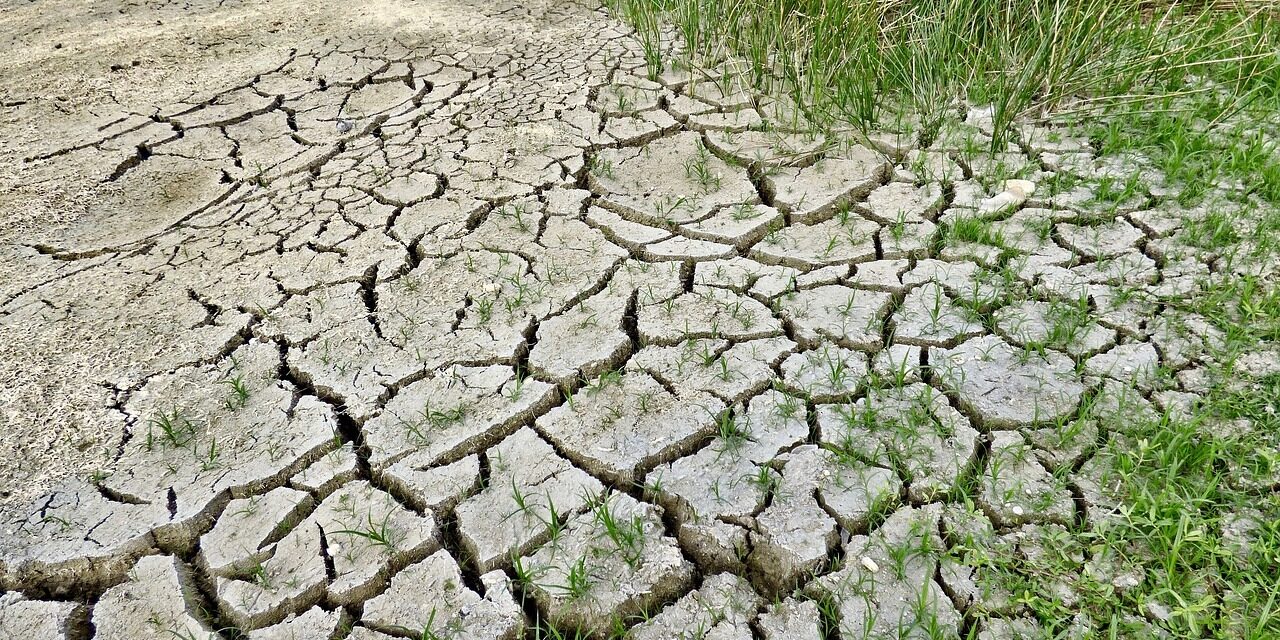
209	459
741	212
605	380
174	427
729	432
626	535
968	228
431	418
765	480
577	581
428	630
523	505
376	532
698	168
524	575
239	391
258	575
554	521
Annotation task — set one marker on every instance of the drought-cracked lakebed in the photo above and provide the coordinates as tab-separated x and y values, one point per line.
454	318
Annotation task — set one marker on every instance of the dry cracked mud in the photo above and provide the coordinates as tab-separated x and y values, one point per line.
327	321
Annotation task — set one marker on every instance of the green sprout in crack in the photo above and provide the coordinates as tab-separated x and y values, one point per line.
410	283
174	427
524	575
623	103
64	525
789	407
666	207
578	580
259	576
741	212
554	521
698	169
239	392
376	533
644	403
975	230
601	166
209	460
725	374
260	175
706	356
847	308
433	419
515	211
484	309
627	536
523	504
428	631
604	381
731	434
765	480
613	414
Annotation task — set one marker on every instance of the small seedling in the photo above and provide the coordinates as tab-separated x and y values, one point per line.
239	392
377	533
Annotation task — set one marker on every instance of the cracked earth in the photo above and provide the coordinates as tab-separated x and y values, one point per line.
449	317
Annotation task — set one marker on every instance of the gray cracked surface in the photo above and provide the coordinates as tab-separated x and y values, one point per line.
455	303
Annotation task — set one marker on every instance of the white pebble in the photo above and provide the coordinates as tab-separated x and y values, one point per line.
869	564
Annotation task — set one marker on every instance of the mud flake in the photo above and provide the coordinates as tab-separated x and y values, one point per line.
1135	363
238	539
825	374
315	623
362	531
152	601
818	491
230	427
723	607
456	412
335	468
430	594
1056	325
805	246
23	618
1007	388
621	563
912	429
1104	241
900	202
813	193
705	312
1017	490
623	424
731	372
899	598
851	318
431	488
791	619
928	317
529	485
353	364
75	535
676	172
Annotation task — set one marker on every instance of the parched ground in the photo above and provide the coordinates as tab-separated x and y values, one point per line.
434	319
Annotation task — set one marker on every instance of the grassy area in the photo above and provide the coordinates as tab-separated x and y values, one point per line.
1192	89
1190	509
1191	83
